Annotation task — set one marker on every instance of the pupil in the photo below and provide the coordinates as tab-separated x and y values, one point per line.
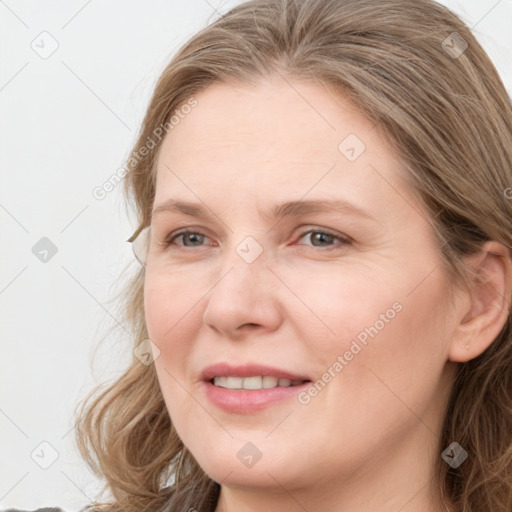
321	236
192	236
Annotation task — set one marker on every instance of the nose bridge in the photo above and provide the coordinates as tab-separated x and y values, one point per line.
245	264
250	250
242	294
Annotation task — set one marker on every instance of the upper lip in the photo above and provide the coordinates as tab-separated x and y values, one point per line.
247	370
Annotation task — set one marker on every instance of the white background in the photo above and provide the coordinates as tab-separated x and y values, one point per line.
67	124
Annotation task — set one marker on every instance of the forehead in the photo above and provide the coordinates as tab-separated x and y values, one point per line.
297	120
278	137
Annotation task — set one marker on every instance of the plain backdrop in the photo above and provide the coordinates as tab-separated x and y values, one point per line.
75	79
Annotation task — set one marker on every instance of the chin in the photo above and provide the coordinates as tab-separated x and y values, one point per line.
237	464
238	476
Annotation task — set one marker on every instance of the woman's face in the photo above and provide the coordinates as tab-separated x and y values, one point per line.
348	296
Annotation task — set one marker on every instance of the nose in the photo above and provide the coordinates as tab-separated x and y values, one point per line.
244	299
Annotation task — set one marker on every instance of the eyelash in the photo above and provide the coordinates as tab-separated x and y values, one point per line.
344	240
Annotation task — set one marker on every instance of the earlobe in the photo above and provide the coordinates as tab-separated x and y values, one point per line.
488	305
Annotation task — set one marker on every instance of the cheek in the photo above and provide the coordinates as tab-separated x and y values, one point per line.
169	320
401	360
380	328
345	305
169	305
157	309
172	322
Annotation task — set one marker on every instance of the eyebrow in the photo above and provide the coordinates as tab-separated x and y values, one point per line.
290	208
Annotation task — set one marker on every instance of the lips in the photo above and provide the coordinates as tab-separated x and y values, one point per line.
236	400
249	370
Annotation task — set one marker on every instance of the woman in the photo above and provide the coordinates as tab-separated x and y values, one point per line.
322	315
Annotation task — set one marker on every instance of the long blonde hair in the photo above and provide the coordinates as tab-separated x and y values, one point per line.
416	70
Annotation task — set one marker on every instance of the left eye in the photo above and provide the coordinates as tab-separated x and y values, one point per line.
321	238
324	237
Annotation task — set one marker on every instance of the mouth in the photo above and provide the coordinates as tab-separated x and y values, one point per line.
255	382
250	376
251	387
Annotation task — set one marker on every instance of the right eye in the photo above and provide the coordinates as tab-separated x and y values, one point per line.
194	237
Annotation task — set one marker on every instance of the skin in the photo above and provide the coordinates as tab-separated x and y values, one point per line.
368	440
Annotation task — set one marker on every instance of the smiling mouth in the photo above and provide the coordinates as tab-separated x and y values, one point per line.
256	382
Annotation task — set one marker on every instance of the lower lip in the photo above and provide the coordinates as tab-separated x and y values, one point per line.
249	400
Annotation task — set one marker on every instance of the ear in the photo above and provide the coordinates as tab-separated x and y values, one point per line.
486	307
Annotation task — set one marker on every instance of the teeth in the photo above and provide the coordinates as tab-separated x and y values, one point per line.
270	382
254	382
